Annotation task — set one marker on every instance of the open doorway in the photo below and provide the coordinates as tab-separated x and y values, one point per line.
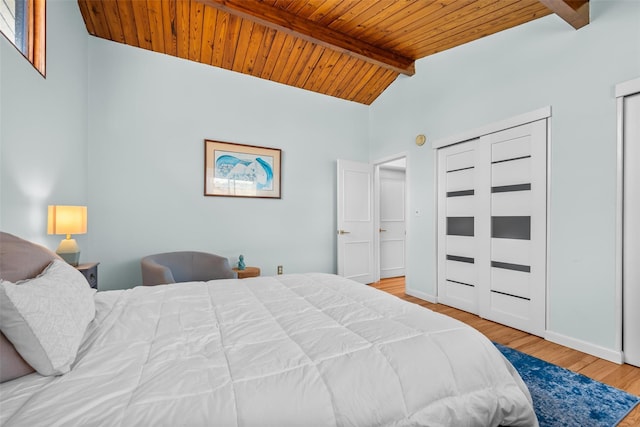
391	218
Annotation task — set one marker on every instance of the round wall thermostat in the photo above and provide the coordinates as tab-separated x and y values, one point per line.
420	140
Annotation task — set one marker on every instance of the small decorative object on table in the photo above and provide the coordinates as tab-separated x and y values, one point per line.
241	264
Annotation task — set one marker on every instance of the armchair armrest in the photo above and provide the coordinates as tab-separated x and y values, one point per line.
154	273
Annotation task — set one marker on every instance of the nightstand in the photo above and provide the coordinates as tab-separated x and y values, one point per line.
90	272
247	272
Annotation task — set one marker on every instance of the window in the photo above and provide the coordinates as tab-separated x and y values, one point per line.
23	23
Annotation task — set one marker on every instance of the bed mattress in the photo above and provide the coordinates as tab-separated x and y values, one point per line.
291	350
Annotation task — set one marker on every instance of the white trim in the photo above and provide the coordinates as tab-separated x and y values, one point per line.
623	89
421	295
376	222
619	221
391	158
547	321
532	116
628	88
585	347
435	222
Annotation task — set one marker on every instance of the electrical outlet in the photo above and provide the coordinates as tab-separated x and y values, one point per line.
279	269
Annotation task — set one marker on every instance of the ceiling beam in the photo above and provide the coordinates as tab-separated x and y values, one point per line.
289	23
575	12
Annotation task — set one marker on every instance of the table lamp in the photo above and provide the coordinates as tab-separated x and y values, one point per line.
67	220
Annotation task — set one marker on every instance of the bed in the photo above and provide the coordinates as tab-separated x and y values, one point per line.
292	350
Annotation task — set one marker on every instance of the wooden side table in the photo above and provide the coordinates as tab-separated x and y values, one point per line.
247	272
90	272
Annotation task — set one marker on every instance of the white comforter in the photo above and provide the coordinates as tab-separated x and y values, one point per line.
293	350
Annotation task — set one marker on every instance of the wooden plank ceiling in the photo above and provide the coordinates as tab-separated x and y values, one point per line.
350	49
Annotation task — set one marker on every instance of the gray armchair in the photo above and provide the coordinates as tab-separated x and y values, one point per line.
174	267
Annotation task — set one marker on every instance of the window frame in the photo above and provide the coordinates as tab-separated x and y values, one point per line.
34	40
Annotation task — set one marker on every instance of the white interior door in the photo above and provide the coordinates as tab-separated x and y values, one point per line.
458	187
392	222
516	276
355	221
631	230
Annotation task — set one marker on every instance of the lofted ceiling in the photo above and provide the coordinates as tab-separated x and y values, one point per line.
350	49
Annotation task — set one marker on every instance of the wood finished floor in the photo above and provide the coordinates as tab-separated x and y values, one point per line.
624	377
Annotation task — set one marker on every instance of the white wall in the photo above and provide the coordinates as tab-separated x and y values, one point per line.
43	128
149	116
545	62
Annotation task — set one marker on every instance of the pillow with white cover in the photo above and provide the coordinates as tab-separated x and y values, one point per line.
45	318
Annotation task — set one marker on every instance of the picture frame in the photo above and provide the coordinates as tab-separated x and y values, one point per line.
239	170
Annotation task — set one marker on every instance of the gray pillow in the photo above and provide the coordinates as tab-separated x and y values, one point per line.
21	259
12	365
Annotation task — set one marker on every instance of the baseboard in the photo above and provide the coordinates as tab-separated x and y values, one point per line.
585	347
421	295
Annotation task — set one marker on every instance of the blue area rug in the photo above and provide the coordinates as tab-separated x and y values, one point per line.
564	398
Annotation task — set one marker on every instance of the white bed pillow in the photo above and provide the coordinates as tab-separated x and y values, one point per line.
46	317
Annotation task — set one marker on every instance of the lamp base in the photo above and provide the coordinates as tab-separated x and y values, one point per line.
69	251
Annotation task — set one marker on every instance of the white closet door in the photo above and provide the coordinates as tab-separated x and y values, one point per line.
492	226
516	273
631	231
457	222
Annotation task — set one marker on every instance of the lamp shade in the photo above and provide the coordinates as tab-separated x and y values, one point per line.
67	219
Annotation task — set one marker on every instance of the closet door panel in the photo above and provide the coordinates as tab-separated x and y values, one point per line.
511	282
512	149
517	277
461	271
508	306
457	206
631	231
458	293
461	246
512	251
461	206
460	180
511	172
511	203
462	157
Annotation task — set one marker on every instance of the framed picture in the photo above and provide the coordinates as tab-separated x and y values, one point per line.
238	170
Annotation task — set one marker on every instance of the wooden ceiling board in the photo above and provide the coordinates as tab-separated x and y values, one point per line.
208	35
141	17
323	69
168	14
181	25
112	15
350	49
441	43
471	24
332	10
272	55
222	22
397	25
196	20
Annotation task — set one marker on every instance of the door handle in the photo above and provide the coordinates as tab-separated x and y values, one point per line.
343	232
381	230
